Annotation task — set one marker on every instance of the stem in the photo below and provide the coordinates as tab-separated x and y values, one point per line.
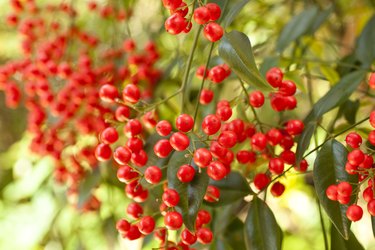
322	225
203	81
188	67
336	135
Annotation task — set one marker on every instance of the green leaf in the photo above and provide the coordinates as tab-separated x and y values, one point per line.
320	19
336	96
232	188
233	12
297	27
235	48
365	51
261	229
329	167
339	243
329	73
191	194
220	244
373	225
349	109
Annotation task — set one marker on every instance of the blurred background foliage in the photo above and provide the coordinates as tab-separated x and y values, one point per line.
35	212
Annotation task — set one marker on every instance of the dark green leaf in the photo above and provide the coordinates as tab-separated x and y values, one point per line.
329	167
235	48
232	188
233	12
365	51
350	109
220	244
87	185
336	96
297	27
373	225
339	243
304	140
234	234
223	216
320	19
261	229
191	194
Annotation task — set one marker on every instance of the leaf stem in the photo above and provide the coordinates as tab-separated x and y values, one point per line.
322	225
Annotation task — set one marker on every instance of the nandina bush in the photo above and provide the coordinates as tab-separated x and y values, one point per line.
198	141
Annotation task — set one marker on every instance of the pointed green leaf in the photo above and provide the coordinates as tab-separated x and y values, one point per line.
335	97
329	168
365	51
233	12
235	48
339	243
261	229
232	188
373	225
297	27
349	109
191	194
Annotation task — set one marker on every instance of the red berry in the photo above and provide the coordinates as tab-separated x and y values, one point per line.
287	142
244	156
371	81
186	173
122	113
367	162
163	128
227	139
126	174
372	119
276	166
277	189
261	181
173	220
217	74
303	165
353	139
202	71
184	123
201	15
354	213
204	216
153	174
103	152
216	170
294	127
131	93
172	4
287	88
212	194
134	144
214	11
202	157
278	102
204	235
224	113
134	210
122	226
122	155
187	237
258	142
211	124
109	135
368	194
182	9
371	204
206	96
179	141
175	24
371	137
108	93
274	136
288	157
133	128
140	158
213	32
343	199
356	157
146	225
163	148
256	99
331	192
344	189
133	233
274	76
170	197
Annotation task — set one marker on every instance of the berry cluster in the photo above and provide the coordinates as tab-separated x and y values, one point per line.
204	15
60	79
361	164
